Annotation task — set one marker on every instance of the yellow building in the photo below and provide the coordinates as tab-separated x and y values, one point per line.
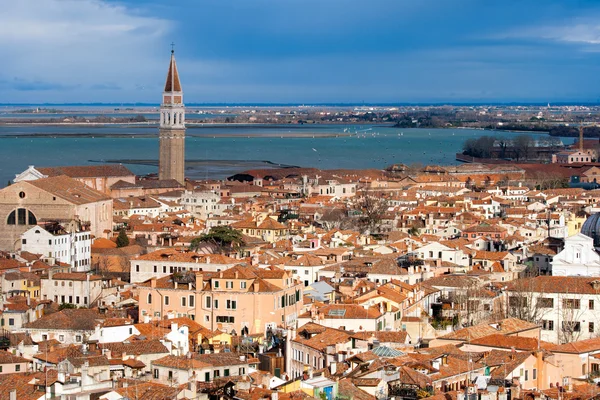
21	283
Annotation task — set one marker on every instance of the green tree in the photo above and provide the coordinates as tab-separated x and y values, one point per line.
224	237
66	306
122	239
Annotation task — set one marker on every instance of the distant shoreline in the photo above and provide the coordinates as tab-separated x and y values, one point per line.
297	135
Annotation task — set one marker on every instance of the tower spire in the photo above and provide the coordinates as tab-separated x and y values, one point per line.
172	84
171	163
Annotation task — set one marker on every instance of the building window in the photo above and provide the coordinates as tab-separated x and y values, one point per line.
207	377
571	326
137	268
17	368
547	325
242	285
78	338
21	216
573	304
149	298
183	302
526	375
216	284
591	304
534	374
225	319
517	301
166	300
228	285
11	321
591	327
191	300
546	302
231	304
216	303
61	338
155	374
226	372
216	373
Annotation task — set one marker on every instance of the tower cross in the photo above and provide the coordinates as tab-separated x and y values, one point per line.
172	47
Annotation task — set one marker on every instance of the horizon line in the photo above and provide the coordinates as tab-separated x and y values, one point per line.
317	104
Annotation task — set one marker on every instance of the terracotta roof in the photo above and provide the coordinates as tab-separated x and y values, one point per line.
68	319
74	276
9	358
172	84
504	362
516	342
136	347
383	336
320	337
140	390
556	284
582	346
21	384
184	255
87	171
69	189
506	327
198	361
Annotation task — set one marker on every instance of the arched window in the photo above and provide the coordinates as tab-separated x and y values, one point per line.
149	298
11	220
21	216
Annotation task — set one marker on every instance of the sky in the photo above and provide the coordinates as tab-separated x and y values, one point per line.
301	51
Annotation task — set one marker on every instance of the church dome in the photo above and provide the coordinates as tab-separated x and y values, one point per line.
591	228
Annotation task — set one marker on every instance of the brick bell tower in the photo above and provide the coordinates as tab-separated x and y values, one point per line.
171	162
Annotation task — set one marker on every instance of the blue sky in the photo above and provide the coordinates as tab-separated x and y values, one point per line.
301	51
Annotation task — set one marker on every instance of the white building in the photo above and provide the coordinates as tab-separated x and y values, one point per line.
76	288
161	263
436	251
578	258
566	307
306	268
109	332
73	248
333	188
204	204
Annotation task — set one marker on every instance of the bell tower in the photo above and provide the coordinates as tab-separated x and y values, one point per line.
171	163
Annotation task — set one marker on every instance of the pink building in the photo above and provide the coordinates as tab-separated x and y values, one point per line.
238	299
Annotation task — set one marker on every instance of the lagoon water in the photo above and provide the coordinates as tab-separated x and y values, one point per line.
223	150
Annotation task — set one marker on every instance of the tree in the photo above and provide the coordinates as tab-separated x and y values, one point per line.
224	237
122	239
481	147
526	300
522	145
370	208
334	218
64	306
